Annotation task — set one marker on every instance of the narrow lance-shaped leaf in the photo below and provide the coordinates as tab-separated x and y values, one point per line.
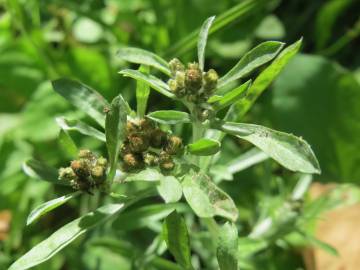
82	97
227	247
255	58
204	147
80	127
231	96
143	57
67	144
64	236
290	151
151	80
169	117
37	169
142	93
49	206
177	239
149	175
265	79
206	199
115	128
203	35
246	160
170	189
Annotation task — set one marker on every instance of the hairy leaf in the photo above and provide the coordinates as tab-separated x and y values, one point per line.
204	147
169	117
67	144
142	93
145	175
170	189
203	35
227	247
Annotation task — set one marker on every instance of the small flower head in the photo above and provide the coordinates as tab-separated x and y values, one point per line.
138	143
66	174
85	153
210	80
132	162
176	65
158	138
174	145
81	168
151	159
98	174
193	78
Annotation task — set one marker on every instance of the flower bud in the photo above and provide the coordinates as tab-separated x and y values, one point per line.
132	162
81	168
85	153
98	174
158	138
193	78
210	80
138	143
172	85
67	174
125	149
131	127
146	125
180	80
176	65
151	159
101	162
174	145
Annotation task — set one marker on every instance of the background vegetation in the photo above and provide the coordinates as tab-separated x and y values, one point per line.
317	96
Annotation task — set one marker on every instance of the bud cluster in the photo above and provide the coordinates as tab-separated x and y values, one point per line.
148	145
192	83
85	173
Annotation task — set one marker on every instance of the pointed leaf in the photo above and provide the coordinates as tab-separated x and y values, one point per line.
170	189
64	236
115	128
148	174
143	57
206	199
255	58
265	79
290	151
227	247
203	35
204	147
246	160
142	93
49	206
67	144
80	127
231	96
177	239
151	80
37	169
169	117
82	97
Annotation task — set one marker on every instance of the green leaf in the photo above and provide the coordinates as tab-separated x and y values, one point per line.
145	216
115	128
143	57
169	117
320	244
265	78
231	96
203	35
148	174
151	80
142	93
255	58
67	144
170	189
177	239
206	199
227	247
82	97
49	206
37	169
246	160
290	151
204	147
270	27
249	246
301	187
80	127
64	236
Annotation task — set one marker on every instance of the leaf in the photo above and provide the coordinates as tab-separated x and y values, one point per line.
115	128
37	169
67	144
246	160
255	58
203	35
231	96
170	189
143	57
227	247
320	244
142	93
151	80
145	216
169	117
80	127
177	239
49	206
204	147
301	187
82	97
148	174
290	151
249	246
206	199
265	78
64	236
270	27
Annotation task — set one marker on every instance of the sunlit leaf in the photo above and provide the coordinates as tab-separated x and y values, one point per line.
67	144
148	174
169	117
142	93
203	35
204	147
170	189
227	247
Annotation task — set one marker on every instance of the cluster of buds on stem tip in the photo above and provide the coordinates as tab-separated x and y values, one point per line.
85	173
146	145
192	83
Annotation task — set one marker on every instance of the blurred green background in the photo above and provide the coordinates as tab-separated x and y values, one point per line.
317	96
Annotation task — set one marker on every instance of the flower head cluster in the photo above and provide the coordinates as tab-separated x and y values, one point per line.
148	145
85	173
192	83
